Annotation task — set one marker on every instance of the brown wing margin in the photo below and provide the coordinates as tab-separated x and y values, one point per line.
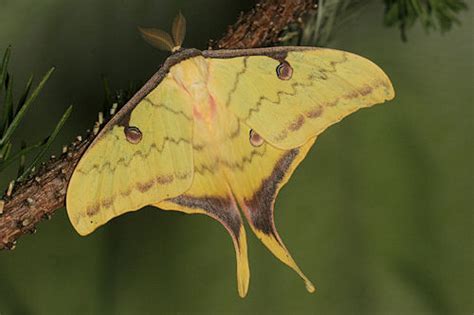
278	53
123	115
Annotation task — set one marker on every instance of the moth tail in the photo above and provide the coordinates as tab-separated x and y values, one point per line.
259	208
266	231
226	212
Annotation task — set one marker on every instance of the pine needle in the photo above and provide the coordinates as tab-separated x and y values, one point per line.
45	147
22	111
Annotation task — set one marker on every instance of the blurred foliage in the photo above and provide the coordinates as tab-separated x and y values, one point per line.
433	14
115	99
322	24
12	115
330	16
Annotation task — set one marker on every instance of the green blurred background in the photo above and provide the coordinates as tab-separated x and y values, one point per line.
379	214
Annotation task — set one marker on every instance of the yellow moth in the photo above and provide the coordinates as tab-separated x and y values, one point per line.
219	132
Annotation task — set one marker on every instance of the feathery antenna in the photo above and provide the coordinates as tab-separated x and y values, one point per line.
163	40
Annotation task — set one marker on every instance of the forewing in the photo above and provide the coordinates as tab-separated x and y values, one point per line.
290	94
118	174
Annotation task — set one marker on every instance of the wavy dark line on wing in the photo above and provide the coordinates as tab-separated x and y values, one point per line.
236	81
161	105
126	163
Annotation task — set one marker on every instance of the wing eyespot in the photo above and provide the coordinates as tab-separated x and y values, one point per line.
284	71
133	134
255	139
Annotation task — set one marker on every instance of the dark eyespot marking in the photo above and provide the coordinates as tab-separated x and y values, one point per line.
133	134
284	71
255	139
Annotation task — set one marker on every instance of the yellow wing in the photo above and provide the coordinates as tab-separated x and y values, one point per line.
290	94
231	171
281	99
142	156
211	193
255	177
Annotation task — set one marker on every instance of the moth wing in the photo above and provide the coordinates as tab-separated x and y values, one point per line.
116	175
292	94
255	175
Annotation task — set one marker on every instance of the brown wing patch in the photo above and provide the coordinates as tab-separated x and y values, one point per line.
208	195
261	204
297	123
222	209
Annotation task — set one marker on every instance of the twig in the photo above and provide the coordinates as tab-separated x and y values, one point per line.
39	196
263	25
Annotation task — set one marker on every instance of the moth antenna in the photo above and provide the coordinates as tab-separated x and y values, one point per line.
157	38
178	30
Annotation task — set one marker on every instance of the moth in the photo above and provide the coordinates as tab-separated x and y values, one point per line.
220	132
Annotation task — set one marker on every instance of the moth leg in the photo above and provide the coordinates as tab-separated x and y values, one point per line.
223	209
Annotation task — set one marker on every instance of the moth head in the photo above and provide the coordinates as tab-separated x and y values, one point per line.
163	40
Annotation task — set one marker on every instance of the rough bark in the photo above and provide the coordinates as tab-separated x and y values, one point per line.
263	25
38	197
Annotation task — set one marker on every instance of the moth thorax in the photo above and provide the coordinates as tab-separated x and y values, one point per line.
133	134
191	74
255	139
199	92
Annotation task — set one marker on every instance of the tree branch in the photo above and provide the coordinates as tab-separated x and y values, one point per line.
25	204
263	25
